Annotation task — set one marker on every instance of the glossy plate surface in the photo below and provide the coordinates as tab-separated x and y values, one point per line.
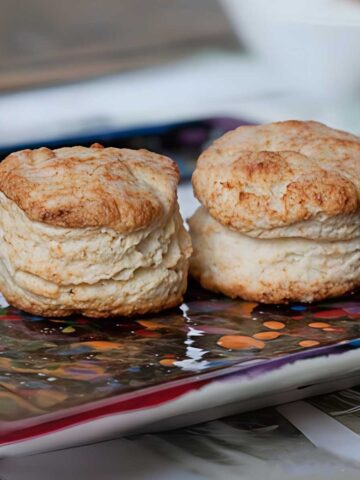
56	373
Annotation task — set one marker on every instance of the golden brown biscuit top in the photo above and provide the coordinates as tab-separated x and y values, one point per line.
279	174
80	187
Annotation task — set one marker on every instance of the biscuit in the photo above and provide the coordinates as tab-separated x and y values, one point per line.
93	230
280	216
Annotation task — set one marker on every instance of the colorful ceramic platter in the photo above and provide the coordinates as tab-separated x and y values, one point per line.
68	381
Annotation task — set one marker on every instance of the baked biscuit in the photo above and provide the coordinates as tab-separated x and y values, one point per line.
93	230
280	219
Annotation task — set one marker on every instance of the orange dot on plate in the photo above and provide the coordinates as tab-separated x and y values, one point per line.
99	345
308	343
150	325
319	325
239	342
247	307
267	335
274	325
167	362
330	329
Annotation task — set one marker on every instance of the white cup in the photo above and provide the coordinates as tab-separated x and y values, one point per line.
315	45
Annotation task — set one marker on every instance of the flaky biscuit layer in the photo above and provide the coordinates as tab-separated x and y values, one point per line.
275	270
56	271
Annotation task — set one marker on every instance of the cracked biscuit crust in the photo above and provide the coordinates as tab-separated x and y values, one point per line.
255	179
80	187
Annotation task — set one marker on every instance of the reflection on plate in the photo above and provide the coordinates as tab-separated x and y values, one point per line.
50	366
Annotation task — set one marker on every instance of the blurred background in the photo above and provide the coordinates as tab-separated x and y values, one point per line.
46	42
75	68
